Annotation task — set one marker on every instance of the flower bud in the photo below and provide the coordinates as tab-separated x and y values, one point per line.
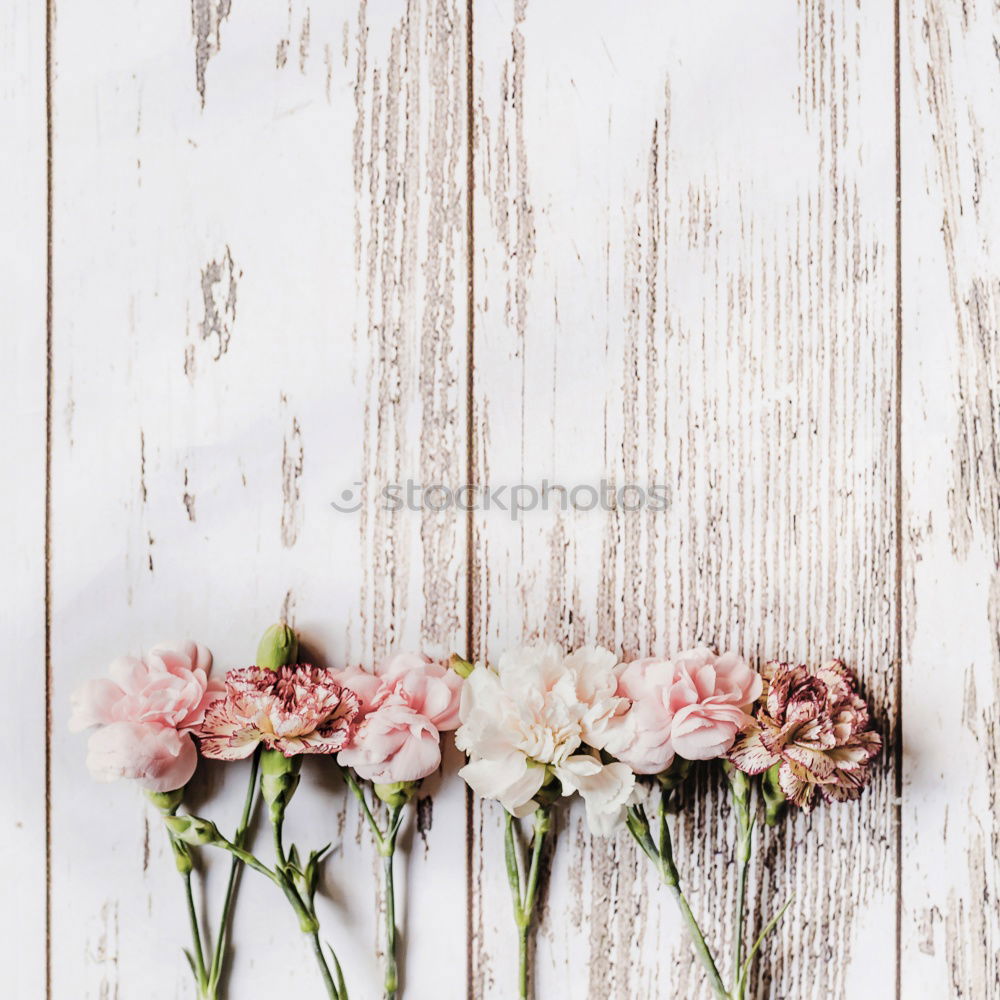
396	794
193	829
774	797
166	802
279	777
182	856
278	647
461	666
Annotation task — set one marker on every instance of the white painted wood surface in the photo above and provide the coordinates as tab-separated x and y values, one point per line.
260	305
951	451
686	277
684	272
22	503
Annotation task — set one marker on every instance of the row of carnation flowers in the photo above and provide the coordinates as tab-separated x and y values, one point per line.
537	726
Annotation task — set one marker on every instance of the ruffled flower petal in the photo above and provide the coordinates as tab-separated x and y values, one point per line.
296	710
605	789
814	721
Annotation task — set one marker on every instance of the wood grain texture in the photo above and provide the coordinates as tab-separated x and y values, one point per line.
242	334
23	378
951	452
686	277
684	269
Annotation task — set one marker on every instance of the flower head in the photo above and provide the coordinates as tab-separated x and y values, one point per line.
145	711
405	705
693	704
300	709
537	718
812	723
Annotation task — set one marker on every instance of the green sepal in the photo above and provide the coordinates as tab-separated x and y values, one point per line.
396	794
279	777
775	802
461	666
166	802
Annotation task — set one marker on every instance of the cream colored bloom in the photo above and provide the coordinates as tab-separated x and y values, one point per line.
539	715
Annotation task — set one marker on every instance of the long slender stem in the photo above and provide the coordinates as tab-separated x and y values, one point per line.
279	846
524	888
239	839
307	917
385	841
391	968
359	794
745	804
387	848
670	877
199	958
328	982
741	896
541	828
700	946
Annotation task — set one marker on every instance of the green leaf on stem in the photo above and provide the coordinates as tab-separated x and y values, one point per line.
771	924
341	985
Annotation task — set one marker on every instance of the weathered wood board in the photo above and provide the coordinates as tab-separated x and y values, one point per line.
686	277
950	888
23	549
259	246
302	252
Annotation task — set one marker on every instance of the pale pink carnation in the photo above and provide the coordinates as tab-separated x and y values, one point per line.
296	710
145	711
692	705
406	703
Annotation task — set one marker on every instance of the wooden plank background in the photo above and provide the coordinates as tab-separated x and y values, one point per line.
299	252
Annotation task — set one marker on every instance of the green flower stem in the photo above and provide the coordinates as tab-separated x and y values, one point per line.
168	806
385	841
359	794
331	987
199	958
661	853
391	968
278	826
239	839
524	892
304	910
744	845
742	790
308	923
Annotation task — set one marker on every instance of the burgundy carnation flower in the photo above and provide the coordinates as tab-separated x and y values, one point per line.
296	710
813	723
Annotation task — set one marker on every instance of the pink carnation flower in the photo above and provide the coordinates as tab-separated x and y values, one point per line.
692	705
406	703
145	711
812	722
296	710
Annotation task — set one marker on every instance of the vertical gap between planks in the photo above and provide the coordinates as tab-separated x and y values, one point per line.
50	15
898	749
470	463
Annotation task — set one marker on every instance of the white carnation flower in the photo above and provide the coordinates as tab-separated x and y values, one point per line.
542	714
